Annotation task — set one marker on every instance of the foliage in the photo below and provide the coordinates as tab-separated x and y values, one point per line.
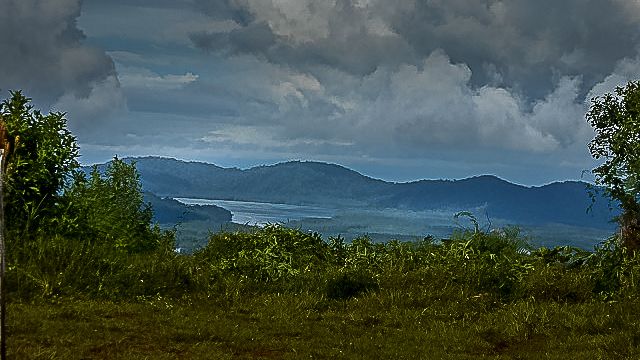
347	284
616	121
46	194
57	267
272	254
43	156
478	293
460	298
111	208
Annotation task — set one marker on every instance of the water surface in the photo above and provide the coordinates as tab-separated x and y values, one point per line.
258	213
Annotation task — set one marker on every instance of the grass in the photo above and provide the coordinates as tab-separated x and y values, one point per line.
278	293
295	326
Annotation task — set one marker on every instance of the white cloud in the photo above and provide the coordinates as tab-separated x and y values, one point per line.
561	114
266	137
434	106
297	20
468	83
626	70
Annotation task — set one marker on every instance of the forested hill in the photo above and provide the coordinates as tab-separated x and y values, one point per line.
170	211
291	182
333	185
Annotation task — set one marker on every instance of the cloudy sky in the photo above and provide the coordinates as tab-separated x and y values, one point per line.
399	90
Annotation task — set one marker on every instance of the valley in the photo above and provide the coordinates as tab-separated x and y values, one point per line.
198	198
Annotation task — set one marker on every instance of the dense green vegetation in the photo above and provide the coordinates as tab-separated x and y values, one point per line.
282	293
90	276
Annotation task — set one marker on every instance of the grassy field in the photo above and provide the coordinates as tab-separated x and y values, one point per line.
278	293
380	325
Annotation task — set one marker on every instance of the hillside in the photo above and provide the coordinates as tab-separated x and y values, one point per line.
291	183
314	183
561	202
169	211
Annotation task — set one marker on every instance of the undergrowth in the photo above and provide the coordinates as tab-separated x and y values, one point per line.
283	293
497	264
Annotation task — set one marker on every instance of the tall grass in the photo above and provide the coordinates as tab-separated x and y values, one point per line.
472	264
283	293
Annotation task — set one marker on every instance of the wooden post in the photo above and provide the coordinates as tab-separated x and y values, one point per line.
3	298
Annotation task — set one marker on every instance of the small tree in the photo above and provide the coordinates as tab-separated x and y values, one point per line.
112	208
615	119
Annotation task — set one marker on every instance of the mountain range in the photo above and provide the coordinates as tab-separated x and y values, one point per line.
323	184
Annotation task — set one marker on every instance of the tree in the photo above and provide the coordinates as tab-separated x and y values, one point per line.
46	191
112	208
43	157
39	153
615	119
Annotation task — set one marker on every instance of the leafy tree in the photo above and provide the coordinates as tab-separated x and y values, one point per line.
616	121
45	189
112	208
43	156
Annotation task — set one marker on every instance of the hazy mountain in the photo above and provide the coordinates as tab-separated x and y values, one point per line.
328	184
291	183
561	202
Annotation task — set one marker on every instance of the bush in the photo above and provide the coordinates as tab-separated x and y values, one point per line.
110	208
50	267
272	254
555	282
347	284
615	118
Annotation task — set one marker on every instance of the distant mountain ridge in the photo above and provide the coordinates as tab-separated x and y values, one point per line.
315	183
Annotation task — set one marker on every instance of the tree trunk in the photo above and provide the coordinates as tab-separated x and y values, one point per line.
630	230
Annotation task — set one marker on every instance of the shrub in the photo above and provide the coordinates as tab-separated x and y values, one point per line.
110	208
347	284
556	282
271	254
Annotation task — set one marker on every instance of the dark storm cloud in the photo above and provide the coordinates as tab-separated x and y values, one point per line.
43	52
337	36
255	38
225	9
172	4
522	44
528	42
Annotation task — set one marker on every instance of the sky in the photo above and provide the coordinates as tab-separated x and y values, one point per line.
398	90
